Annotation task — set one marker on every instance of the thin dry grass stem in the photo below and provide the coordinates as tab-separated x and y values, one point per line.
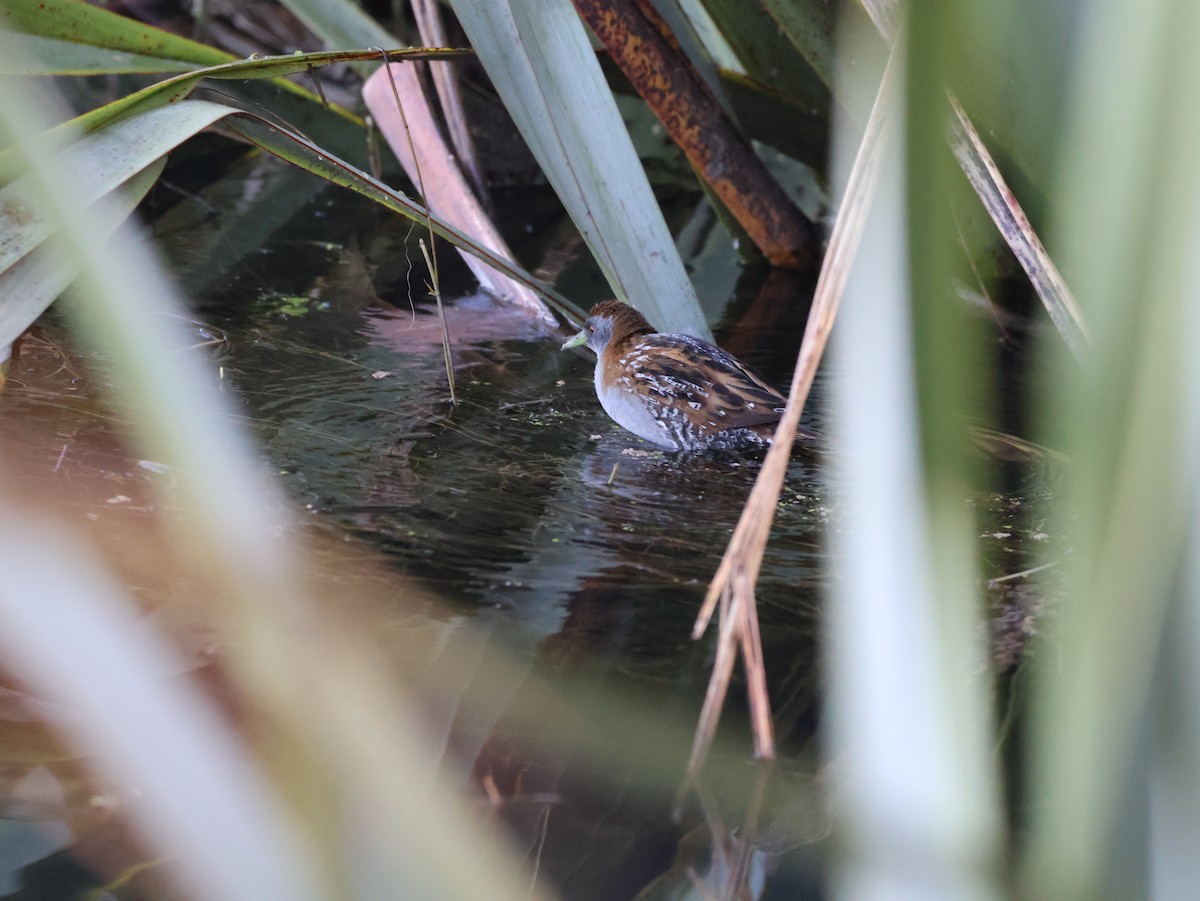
1023	574
445	191
734	582
426	251
433	34
747	835
752	658
435	291
981	170
718	686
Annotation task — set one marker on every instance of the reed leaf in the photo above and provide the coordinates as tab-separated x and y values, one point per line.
1128	420
540	59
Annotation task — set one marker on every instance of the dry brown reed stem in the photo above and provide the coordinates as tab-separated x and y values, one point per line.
981	170
734	582
1001	204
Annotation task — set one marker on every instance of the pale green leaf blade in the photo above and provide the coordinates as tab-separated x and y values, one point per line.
51	56
540	59
32	284
101	161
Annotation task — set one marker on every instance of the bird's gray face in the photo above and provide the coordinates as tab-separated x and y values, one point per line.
599	332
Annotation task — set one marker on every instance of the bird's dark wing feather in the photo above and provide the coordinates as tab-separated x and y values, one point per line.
731	394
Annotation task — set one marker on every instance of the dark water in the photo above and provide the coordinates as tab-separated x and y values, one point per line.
522	510
526	511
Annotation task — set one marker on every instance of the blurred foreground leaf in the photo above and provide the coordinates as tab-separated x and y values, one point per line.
104	160
30	284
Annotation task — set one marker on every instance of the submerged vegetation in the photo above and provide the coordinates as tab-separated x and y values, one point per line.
1009	195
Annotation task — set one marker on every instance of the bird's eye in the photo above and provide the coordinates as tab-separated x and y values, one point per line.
590	328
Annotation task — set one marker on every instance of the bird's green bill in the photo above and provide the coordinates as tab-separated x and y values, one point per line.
576	340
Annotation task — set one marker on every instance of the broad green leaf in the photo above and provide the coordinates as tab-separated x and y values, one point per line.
907	625
1127	214
130	153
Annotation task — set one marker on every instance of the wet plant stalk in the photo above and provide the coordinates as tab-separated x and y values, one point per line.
426	251
734	582
435	291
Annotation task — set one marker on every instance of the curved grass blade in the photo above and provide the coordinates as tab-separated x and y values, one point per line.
99	162
129	153
301	152
179	87
106	159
